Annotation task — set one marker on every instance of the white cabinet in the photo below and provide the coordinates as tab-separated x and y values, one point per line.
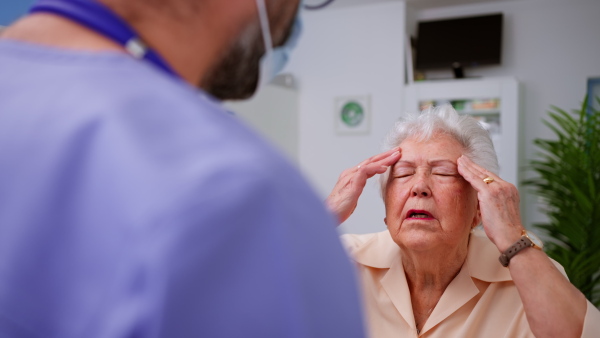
493	101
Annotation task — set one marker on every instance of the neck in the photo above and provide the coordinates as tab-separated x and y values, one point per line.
55	31
431	267
190	45
190	48
428	274
432	271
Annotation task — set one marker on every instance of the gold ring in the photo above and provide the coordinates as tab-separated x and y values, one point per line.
488	180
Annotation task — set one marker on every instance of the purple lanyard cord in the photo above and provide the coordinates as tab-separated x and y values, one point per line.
102	20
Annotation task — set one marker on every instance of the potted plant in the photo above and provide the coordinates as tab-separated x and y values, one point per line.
568	181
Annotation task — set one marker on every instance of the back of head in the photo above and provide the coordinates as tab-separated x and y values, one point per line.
475	140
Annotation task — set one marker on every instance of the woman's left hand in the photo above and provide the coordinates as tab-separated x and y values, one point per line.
498	204
554	307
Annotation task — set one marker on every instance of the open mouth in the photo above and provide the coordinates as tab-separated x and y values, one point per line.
418	214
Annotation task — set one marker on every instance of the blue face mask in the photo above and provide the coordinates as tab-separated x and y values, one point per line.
275	58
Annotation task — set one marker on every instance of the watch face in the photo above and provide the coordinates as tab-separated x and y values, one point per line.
535	239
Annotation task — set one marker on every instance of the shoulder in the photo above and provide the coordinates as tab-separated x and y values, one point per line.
168	145
353	242
375	249
483	263
95	82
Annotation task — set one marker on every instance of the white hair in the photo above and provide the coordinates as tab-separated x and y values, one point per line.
466	130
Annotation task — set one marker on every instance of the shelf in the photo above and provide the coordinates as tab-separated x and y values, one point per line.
477	112
493	102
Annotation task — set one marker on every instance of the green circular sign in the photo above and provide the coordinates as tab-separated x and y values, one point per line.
352	114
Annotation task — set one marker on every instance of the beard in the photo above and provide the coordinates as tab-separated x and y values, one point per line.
235	76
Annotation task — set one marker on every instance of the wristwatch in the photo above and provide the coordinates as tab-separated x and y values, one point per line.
527	240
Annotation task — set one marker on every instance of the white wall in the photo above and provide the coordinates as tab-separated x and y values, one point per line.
273	112
551	47
349	51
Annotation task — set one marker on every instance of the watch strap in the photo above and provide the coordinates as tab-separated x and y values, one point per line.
521	244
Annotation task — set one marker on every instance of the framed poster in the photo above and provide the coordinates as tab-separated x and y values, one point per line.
352	114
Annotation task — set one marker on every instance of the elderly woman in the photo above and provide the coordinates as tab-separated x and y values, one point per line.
434	272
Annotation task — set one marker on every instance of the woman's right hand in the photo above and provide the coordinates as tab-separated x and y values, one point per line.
343	199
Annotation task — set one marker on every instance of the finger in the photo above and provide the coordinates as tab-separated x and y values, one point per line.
379	167
380	156
480	170
385	154
389	160
473	175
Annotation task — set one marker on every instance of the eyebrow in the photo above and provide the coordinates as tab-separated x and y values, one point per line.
433	163
436	163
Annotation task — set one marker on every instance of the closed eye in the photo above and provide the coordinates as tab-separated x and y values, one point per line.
402	175
447	177
444	172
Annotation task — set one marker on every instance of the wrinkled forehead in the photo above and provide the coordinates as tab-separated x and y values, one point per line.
440	147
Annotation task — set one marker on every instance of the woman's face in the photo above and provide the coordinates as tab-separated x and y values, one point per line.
428	204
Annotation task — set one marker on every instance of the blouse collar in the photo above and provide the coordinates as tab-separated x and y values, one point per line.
380	251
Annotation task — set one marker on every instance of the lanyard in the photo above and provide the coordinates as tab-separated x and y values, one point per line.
102	20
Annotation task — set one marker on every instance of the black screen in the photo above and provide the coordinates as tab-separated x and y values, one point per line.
469	41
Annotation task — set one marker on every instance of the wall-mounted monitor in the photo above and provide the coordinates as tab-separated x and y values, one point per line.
459	42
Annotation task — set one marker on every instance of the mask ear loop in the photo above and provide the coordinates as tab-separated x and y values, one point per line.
264	25
266	67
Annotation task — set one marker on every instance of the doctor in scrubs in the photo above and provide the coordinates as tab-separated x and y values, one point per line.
132	204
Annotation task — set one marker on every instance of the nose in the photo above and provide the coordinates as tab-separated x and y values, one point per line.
421	187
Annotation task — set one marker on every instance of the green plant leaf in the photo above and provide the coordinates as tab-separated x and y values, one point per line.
567	178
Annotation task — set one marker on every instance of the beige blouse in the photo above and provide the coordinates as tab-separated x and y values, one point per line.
481	301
